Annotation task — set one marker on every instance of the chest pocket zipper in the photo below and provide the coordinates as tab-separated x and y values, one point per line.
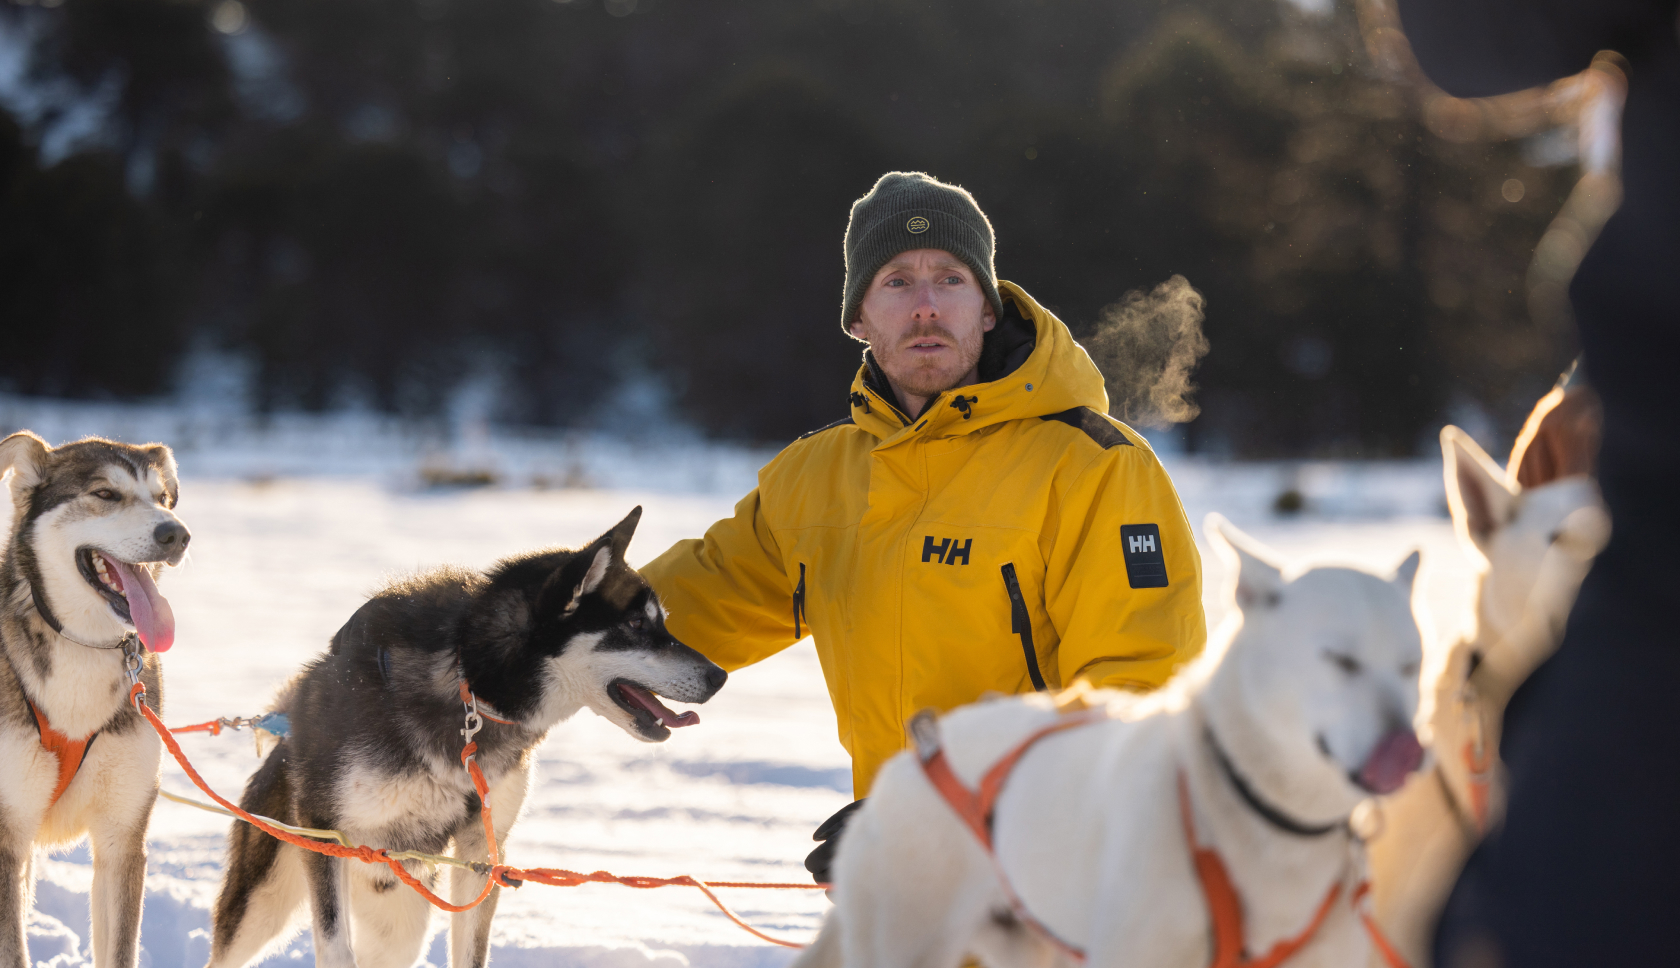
1020	623
799	604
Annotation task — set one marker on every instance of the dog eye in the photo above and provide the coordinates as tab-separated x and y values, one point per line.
635	623
106	494
1346	663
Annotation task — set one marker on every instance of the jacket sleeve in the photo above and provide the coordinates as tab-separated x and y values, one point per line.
727	594
1113	632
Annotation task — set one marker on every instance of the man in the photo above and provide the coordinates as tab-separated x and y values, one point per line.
976	524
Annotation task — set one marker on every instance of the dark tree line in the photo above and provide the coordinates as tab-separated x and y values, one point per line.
382	197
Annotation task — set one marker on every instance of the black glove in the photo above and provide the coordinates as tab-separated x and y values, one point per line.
818	861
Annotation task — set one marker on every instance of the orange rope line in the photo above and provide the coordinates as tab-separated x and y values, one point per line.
564	878
213	727
1480	768
366	855
499	874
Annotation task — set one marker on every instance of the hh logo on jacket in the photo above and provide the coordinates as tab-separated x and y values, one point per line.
947	551
1146	563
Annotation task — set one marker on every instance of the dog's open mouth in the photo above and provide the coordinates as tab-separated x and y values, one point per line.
652	716
132	595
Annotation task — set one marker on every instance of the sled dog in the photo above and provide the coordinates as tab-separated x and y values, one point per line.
1535	545
376	742
1258	753
92	525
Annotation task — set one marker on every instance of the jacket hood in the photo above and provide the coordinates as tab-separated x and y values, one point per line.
1030	366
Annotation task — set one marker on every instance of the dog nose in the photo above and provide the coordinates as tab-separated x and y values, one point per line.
715	679
172	535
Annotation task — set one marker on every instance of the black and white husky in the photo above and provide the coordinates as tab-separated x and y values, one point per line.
376	740
92	524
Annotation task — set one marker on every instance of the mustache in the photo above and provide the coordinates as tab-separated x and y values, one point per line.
924	332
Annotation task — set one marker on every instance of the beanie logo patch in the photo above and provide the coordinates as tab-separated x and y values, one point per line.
917	225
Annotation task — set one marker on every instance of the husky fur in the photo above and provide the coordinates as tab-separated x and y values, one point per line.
1310	695
376	740
1535	547
92	524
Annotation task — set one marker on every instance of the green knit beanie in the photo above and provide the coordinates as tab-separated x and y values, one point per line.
909	210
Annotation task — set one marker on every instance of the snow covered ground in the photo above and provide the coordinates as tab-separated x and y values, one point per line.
292	530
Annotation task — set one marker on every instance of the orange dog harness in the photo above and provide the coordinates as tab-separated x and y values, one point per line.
69	752
1225	907
975	808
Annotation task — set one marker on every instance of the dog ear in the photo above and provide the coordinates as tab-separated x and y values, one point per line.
164	458
623	531
1477	495
609	548
1259	582
595	575
589	582
604	551
23	453
1406	575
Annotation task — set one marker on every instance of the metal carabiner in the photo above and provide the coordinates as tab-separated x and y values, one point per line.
131	667
474	723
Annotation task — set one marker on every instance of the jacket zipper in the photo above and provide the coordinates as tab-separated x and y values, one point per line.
1020	623
892	408
799	604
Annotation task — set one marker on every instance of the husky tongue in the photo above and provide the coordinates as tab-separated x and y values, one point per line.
651	703
153	618
1395	758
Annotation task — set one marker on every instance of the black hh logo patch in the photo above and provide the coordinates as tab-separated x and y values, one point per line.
1146	565
946	552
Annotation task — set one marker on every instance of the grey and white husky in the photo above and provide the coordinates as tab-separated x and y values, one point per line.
376	741
92	525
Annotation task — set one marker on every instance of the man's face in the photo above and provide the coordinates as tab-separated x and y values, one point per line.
925	317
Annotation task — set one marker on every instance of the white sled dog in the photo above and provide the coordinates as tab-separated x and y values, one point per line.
376	742
1153	831
92	525
1535	546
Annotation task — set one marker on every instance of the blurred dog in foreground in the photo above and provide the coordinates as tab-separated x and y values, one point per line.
1536	545
92	526
1134	831
376	742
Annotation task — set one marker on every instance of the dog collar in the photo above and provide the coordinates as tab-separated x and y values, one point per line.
479	707
47	616
469	699
1269	813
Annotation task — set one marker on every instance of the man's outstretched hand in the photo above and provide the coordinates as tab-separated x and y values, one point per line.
820	860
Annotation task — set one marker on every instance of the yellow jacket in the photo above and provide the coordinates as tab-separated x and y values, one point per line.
911	551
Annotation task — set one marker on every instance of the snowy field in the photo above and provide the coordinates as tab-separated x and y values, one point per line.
292	530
